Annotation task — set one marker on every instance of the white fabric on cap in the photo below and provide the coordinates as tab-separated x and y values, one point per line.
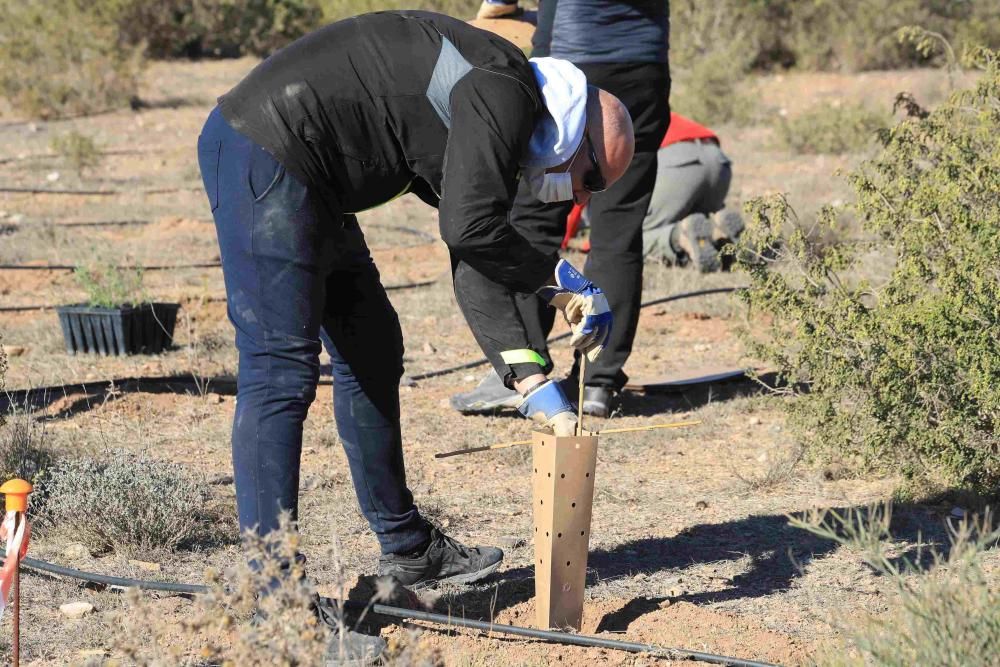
559	133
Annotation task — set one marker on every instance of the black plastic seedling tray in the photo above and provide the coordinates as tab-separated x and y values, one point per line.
146	328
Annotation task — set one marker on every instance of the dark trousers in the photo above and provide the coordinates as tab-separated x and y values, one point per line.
615	260
296	270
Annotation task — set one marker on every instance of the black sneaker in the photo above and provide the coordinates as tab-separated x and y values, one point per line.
353	648
444	560
346	647
488	395
599	401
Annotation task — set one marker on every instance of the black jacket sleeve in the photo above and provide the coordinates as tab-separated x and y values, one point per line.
492	117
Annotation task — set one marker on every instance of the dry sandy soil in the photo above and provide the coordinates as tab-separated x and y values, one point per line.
690	547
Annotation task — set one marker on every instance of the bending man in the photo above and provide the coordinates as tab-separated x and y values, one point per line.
345	119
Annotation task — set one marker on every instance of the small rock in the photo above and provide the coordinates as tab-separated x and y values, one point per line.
76	609
407	381
52	176
3	214
762	457
14	350
429	349
221	480
145	565
32	127
17	218
76	551
701	505
754	421
701	347
468	378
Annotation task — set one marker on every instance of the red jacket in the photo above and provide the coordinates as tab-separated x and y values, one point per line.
685	129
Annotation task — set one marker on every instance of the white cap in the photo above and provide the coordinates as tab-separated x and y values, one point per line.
559	133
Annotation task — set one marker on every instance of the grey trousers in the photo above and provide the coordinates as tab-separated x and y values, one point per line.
691	177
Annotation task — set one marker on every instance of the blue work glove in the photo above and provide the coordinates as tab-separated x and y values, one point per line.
547	405
583	305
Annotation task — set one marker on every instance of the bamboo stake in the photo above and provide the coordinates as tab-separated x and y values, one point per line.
579	400
505	445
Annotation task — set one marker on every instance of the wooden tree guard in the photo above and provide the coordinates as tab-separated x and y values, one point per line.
562	499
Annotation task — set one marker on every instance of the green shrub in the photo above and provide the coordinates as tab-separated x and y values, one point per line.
903	374
193	28
128	503
948	614
710	59
110	286
62	57
825	34
845	128
23	452
79	151
334	10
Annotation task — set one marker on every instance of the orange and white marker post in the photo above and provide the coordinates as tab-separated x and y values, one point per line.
16	531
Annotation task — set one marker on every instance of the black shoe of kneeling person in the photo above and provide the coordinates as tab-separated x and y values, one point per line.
442	560
346	646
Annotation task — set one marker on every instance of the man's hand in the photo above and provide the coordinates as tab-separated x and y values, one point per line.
547	405
584	306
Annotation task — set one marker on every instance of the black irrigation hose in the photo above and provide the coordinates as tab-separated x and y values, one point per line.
97	193
71	267
107	580
210	299
416	615
49	156
647	304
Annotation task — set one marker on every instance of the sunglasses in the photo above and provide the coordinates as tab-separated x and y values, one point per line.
593	180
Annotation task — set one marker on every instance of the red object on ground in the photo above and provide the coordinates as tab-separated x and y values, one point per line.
685	129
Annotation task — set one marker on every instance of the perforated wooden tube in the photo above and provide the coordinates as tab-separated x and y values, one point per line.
562	497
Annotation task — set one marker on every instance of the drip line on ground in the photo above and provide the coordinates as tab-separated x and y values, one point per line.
97	193
416	615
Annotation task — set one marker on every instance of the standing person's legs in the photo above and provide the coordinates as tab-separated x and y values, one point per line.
275	255
615	261
362	334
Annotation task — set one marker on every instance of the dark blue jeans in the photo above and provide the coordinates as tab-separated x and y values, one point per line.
296	271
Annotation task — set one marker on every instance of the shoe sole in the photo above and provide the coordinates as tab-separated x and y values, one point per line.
695	240
468	578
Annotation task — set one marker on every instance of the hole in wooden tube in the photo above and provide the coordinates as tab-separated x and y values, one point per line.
550	474
539	561
581	532
536	469
541	502
546	533
567	563
573	505
536	529
563	475
558	534
588	474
